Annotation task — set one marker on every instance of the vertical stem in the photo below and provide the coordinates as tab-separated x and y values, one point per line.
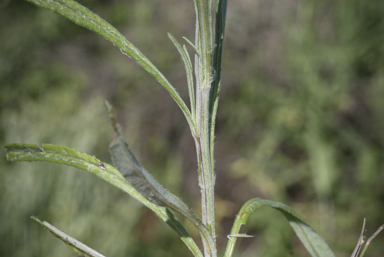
208	173
207	87
204	43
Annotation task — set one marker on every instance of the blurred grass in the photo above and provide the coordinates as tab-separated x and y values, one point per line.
300	121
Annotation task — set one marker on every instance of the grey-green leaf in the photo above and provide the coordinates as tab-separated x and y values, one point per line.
312	241
146	184
188	71
221	12
78	247
68	156
87	19
139	178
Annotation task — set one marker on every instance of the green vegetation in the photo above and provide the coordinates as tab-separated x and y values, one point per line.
299	122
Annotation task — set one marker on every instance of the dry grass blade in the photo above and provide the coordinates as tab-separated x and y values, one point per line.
360	242
371	238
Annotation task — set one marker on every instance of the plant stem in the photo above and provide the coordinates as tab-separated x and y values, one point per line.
208	173
204	43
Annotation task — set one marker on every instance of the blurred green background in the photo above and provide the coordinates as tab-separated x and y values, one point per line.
301	121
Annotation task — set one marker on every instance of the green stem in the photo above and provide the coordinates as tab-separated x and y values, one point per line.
208	173
204	43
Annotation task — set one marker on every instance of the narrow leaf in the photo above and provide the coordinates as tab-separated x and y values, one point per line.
146	184
137	176
140	179
312	241
191	44
239	235
71	157
188	71
221	12
87	19
78	247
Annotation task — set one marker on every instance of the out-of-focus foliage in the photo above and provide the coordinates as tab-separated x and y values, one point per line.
300	121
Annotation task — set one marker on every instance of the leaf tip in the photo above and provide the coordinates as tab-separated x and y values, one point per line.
36	219
112	117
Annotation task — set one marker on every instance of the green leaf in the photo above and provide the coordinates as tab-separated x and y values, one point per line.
312	241
191	44
87	19
221	12
76	246
71	157
188	71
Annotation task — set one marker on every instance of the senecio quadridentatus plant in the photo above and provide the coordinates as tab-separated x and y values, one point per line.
203	81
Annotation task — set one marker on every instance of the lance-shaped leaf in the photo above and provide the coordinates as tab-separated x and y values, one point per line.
71	157
188	71
78	247
312	241
146	184
87	19
221	13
